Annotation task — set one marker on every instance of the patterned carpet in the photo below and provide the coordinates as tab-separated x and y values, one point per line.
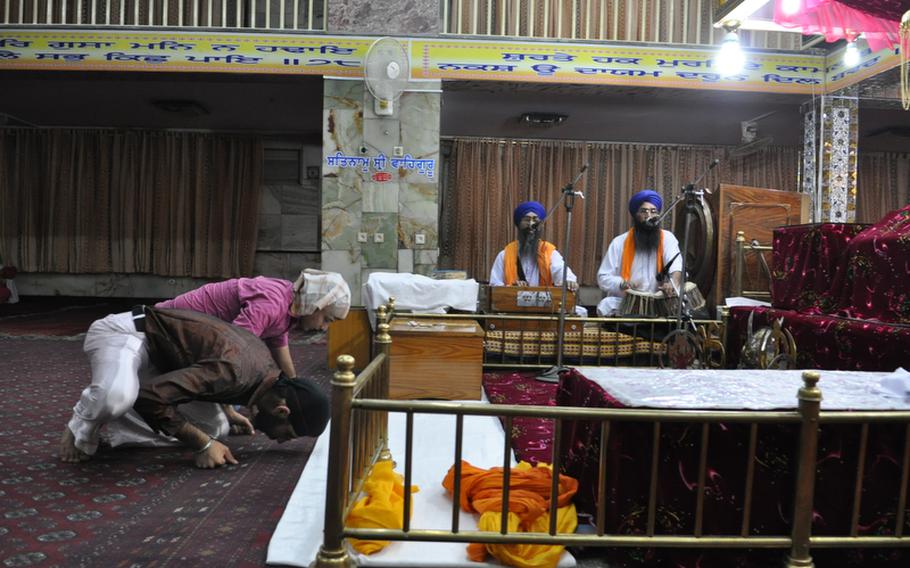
130	508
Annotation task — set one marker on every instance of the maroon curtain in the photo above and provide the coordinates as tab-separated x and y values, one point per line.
98	201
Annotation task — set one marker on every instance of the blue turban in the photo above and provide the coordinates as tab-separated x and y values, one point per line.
642	196
528	207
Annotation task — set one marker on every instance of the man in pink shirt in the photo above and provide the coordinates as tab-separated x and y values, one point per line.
267	307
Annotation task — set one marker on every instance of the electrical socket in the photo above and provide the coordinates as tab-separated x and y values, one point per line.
420	239
362	237
378	237
398	151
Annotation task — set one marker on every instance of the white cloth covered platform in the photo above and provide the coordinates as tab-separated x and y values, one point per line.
418	293
742	389
299	533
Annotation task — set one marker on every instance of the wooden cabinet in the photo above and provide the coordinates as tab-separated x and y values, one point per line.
435	358
350	336
756	212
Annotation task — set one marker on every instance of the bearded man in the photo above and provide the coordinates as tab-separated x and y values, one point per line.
529	260
635	258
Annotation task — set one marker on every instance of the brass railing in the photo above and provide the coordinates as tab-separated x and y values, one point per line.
528	341
299	15
740	266
348	440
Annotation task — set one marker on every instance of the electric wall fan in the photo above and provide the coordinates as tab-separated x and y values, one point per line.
386	70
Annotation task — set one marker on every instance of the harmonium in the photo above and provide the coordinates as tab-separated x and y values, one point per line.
529	300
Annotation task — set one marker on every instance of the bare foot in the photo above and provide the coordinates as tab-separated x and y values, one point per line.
69	453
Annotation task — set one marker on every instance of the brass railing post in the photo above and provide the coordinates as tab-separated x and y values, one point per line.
810	398
740	264
384	346
332	553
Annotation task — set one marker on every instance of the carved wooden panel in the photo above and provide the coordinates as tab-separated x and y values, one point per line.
756	212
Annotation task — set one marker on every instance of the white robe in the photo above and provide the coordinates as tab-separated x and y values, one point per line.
119	358
643	275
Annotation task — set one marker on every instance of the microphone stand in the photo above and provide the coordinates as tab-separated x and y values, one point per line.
691	197
551	375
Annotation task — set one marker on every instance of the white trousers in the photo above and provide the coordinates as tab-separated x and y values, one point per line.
119	360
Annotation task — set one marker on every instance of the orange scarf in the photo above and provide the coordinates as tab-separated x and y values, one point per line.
529	503
628	255
510	263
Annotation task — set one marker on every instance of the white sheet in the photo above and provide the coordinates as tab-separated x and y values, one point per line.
741	389
418	293
299	532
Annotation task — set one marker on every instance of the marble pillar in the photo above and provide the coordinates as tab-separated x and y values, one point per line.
830	139
384	17
380	194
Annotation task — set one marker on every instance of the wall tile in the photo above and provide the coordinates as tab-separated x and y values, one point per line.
273	264
341	208
380	197
384	17
269	236
342	94
426	256
300	199
381	135
405	260
384	254
419	212
270	202
348	264
298	232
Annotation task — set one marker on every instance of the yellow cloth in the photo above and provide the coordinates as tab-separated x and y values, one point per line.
529	503
527	555
381	508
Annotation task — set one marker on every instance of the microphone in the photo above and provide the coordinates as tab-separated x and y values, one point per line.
654	221
665	271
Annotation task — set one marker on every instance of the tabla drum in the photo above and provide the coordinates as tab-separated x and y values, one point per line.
640	304
669	307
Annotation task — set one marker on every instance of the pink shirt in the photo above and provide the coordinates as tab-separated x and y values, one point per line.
259	305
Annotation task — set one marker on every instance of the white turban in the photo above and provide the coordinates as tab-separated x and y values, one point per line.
317	290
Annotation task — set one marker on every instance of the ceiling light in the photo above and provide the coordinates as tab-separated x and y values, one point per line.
790	7
730	59
851	54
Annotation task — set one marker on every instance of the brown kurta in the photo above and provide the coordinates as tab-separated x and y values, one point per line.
201	358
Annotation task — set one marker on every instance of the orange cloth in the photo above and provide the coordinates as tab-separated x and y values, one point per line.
510	263
628	255
529	502
381	508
